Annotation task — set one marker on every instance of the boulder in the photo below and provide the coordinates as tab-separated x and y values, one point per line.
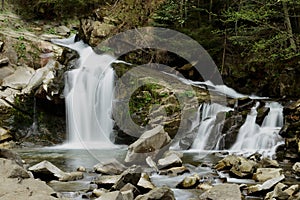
4	61
243	168
266	185
110	167
278	192
171	160
189	182
9	169
264	174
267	162
4	135
227	162
46	171
296	168
19	79
127	195
131	175
116	195
6	71
129	187
63	30
145	183
223	192
174	171
106	181
149	144
99	192
71	176
10	155
157	194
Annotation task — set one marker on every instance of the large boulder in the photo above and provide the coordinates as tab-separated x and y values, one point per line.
267	185
109	167
149	144
131	175
19	79
171	160
264	174
9	169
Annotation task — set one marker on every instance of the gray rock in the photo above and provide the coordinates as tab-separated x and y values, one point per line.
49	37
174	171
157	194
19	79
71	176
145	183
116	195
266	185
81	169
131	175
110	167
9	169
264	174
6	71
150	162
106	181
189	182
267	162
135	191
99	192
296	167
278	192
45	170
63	30
171	160
71	186
148	144
243	167
10	155
4	61
223	192
127	195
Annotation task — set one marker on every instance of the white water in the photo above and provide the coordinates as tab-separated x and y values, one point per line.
88	95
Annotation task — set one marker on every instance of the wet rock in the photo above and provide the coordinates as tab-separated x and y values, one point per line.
106	181
110	167
148	144
265	186
145	183
157	194
243	168
99	192
264	174
171	160
129	187
4	135
222	192
131	175
81	169
72	186
174	171
296	168
189	182
9	169
71	176
4	61
19	79
116	195
227	162
45	170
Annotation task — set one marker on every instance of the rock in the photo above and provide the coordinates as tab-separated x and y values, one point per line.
227	162
49	37
72	176
145	183
267	162
4	61
63	30
222	192
204	186
243	168
106	181
131	175
296	167
157	194
1	46
151	163
99	192
8	145
266	185
174	171
19	79
9	169
10	155
5	71
189	182
172	160
72	186
277	193
292	190
127	195
135	191
264	174
110	167
45	170
81	169
148	144
116	195
29	189
4	135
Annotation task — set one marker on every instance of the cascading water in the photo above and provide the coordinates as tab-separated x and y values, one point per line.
89	95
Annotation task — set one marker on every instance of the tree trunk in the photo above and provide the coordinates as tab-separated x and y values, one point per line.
289	26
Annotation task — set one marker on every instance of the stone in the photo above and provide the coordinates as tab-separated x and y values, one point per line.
292	190
264	174
296	167
131	175
71	176
227	162
29	189
148	144
4	135
127	195
63	30
49	37
151	163
9	169
171	160
189	182
266	185
243	167
4	61
45	170
112	167
267	162
106	181
72	186
81	169
6	71
145	183
1	46
116	195
99	192
174	171
19	79
11	155
158	194
135	191
222	192
204	186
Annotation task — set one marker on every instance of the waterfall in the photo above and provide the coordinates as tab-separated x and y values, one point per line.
88	95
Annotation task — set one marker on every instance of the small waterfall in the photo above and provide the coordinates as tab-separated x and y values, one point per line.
208	128
252	137
89	95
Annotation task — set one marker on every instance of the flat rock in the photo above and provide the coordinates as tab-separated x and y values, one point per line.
6	71
266	185
110	167
264	174
145	183
106	181
131	175
71	176
174	171
171	160
19	79
71	186
116	195
158	194
223	192
45	170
